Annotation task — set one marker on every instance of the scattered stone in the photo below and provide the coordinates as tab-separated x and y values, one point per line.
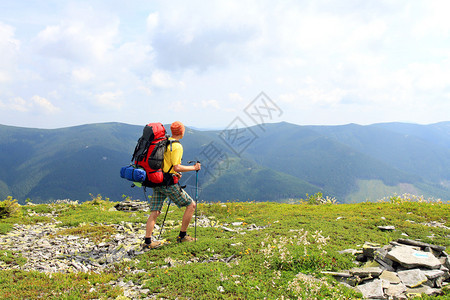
367	272
386	228
372	290
343	277
417	292
421	244
411	258
436	224
46	251
392	277
433	274
351	251
369	249
228	229
412	278
402	269
131	205
396	290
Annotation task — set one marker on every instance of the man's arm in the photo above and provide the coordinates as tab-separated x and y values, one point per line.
180	168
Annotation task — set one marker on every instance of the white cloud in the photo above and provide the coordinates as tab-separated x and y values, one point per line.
44	104
16	104
211	103
210	58
199	35
9	45
82	74
36	103
162	79
152	22
322	96
433	19
82	36
9	50
236	98
110	100
177	106
4	76
431	76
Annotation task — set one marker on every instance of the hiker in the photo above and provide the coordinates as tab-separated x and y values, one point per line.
172	164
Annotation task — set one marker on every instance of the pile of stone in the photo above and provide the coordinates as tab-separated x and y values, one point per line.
131	205
402	269
47	251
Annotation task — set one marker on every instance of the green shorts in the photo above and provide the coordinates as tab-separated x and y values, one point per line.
175	193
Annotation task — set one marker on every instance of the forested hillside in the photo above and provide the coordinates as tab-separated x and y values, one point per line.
276	162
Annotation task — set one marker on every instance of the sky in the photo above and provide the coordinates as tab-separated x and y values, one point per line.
213	63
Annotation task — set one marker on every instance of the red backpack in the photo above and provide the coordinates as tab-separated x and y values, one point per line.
149	155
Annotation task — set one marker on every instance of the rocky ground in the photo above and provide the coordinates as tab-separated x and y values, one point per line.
47	251
400	270
395	271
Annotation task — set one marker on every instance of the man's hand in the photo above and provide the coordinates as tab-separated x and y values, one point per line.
197	166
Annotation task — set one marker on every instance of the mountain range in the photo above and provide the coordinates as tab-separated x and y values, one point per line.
270	162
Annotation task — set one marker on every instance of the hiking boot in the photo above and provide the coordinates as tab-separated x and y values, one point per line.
152	245
187	238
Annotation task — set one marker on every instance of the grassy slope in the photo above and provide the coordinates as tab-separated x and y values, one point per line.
371	190
246	181
298	238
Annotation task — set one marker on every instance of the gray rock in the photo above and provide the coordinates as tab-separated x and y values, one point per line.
386	228
370	248
351	251
390	276
395	290
421	244
417	292
380	257
130	205
401	276
344	277
445	259
228	229
366	272
432	274
338	274
372	290
412	278
411	258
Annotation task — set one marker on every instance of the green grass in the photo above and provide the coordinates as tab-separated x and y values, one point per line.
96	233
17	284
284	259
11	258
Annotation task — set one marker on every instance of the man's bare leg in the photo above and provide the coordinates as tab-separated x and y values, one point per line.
151	221
187	216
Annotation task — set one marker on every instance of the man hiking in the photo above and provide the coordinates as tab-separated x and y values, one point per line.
172	164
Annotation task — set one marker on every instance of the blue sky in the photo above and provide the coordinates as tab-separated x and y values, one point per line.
65	63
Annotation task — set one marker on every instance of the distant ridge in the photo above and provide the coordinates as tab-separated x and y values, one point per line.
283	162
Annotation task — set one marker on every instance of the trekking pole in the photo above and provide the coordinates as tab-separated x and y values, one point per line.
162	226
196	200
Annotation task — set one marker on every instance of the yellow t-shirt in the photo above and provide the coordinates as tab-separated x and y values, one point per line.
172	158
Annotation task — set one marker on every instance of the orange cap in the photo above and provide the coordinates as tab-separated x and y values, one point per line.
177	128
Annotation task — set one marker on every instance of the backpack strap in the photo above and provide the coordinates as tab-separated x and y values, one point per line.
170	145
171	142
